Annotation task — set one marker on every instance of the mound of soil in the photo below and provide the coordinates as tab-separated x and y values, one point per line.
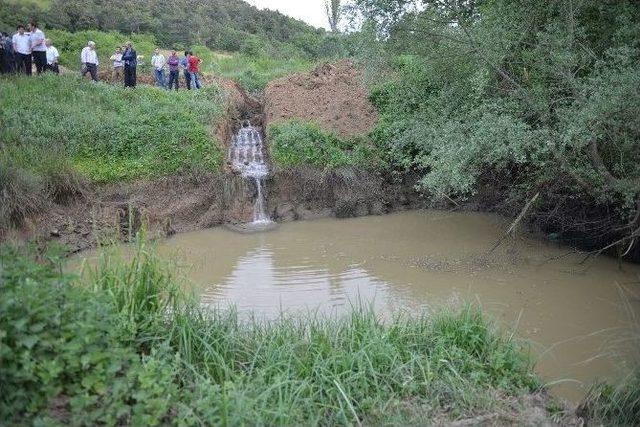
332	95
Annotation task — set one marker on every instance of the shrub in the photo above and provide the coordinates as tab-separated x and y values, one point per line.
296	142
21	195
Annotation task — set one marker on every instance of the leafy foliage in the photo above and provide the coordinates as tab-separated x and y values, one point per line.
541	93
296	142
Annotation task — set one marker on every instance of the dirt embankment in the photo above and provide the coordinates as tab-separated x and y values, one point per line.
332	95
186	203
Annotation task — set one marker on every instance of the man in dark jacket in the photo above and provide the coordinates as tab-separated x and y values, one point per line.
130	60
7	60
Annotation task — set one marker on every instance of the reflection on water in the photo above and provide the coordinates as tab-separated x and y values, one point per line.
257	284
574	314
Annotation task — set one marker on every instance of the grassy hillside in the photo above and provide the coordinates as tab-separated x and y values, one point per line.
58	127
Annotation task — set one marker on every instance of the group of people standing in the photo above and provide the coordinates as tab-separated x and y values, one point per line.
189	63
125	62
27	48
19	52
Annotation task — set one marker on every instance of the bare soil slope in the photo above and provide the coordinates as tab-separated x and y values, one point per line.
332	95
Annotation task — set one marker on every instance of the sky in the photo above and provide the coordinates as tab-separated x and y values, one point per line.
310	11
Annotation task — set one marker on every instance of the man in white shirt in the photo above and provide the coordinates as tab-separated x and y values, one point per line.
38	48
52	57
22	50
157	61
118	65
89	59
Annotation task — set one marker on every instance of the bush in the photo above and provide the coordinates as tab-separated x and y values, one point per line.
21	195
296	142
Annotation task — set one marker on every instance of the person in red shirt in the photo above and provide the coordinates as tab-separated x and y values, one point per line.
194	70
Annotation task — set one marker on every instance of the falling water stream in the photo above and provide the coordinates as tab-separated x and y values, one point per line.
246	155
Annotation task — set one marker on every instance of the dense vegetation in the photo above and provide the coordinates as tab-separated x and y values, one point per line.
60	131
123	345
522	97
295	143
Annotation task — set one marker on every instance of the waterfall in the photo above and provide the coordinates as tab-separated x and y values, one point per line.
246	155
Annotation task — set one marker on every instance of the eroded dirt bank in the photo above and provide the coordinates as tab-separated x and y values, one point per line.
190	202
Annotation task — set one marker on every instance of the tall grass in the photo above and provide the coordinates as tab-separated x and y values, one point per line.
617	405
109	133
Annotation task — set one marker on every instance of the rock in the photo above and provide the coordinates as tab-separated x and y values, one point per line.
55	233
303	213
346	208
285	212
377	208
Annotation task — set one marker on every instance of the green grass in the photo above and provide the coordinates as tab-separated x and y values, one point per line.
617	405
108	133
252	72
296	142
126	346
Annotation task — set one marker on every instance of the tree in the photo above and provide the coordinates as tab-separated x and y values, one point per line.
526	95
334	12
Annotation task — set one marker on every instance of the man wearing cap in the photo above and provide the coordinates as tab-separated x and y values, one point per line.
89	59
52	57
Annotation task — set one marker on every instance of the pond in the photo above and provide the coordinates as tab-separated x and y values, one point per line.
578	316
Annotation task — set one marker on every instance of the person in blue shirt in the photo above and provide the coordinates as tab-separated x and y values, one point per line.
130	60
184	64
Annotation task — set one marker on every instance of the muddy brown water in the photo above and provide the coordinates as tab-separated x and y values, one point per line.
578	317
